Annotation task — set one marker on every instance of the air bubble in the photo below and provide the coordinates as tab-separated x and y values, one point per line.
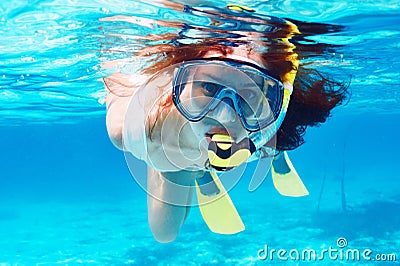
105	10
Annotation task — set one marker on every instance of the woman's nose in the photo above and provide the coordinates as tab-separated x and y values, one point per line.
225	111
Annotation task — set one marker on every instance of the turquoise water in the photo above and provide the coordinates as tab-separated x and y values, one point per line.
67	196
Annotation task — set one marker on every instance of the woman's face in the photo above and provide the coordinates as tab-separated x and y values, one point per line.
224	118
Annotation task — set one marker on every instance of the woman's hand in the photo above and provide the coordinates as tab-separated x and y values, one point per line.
169	197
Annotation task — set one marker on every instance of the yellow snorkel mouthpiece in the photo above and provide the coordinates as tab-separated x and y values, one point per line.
224	153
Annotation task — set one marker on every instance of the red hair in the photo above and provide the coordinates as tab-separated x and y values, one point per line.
313	97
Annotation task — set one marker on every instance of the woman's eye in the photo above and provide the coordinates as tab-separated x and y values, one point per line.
211	88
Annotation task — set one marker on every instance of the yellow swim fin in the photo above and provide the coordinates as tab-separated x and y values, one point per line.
285	178
217	208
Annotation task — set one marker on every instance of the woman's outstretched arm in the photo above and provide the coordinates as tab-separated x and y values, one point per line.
168	202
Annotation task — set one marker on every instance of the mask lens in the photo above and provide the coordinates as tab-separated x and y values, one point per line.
256	113
197	96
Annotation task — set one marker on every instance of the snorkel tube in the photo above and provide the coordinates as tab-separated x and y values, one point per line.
260	138
257	140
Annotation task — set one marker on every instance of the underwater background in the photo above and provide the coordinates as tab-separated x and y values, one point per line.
68	197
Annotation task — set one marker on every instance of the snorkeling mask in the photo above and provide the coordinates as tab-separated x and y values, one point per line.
199	86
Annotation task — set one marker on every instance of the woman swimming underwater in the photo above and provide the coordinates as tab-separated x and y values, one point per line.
213	98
